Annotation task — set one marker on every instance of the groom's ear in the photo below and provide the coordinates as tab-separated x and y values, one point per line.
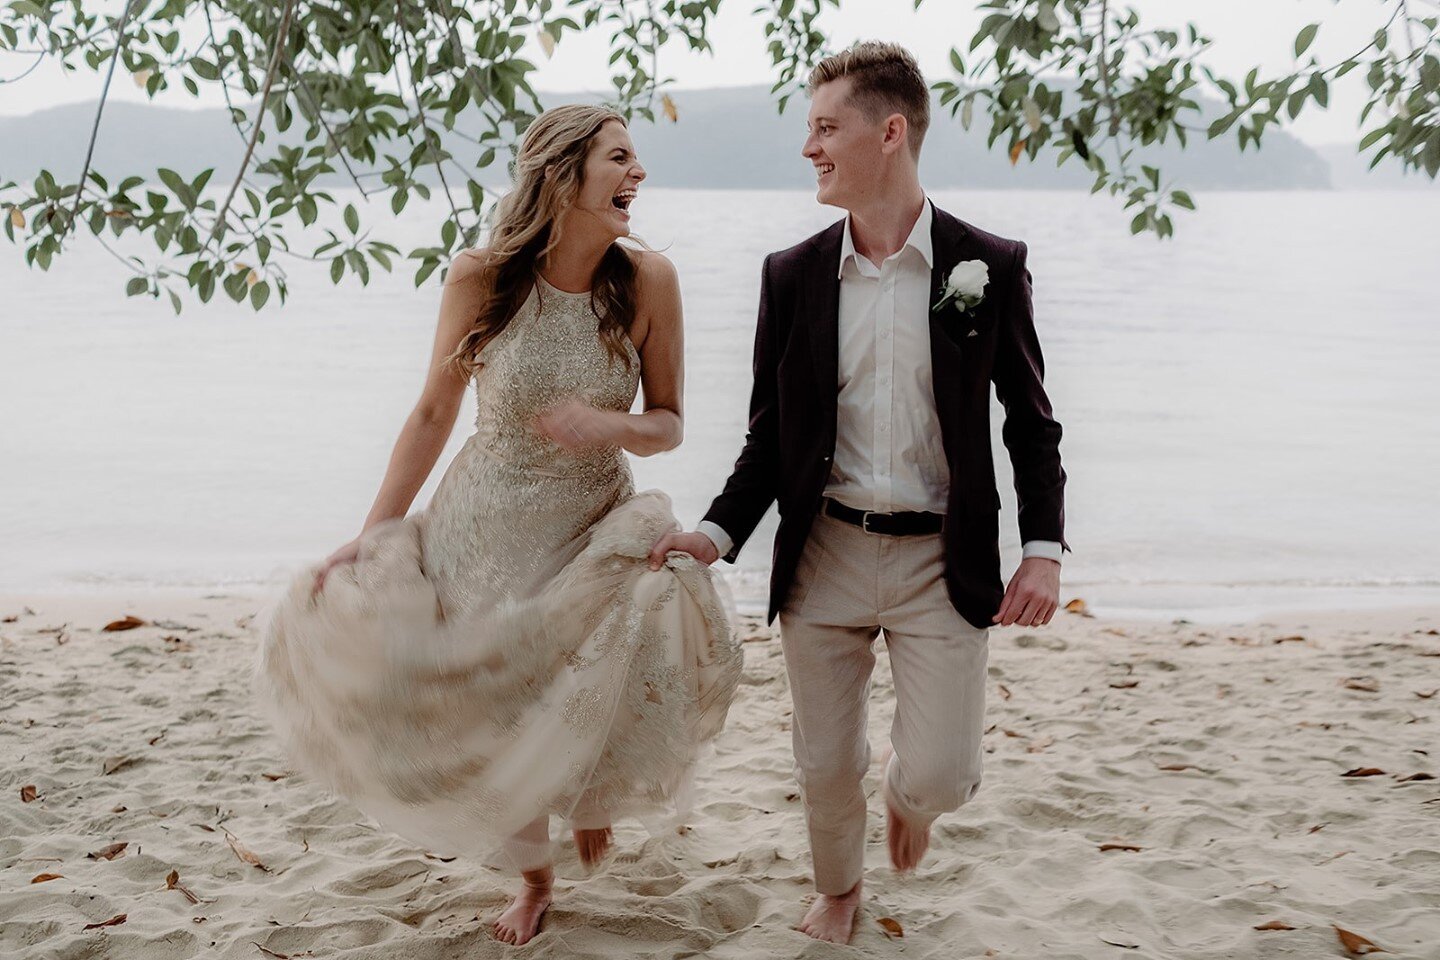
897	133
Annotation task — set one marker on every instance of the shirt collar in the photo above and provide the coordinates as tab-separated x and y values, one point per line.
919	239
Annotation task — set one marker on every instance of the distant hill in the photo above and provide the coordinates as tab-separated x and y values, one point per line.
1350	170
725	138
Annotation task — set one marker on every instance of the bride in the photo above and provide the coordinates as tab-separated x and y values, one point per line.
507	654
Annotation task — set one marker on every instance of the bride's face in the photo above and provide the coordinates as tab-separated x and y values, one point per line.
611	177
843	145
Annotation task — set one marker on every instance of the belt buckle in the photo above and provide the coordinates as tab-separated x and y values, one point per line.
865	521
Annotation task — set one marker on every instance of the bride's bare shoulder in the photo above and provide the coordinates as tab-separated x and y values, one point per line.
653	269
467	266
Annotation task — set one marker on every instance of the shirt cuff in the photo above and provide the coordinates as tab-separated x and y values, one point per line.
1046	549
722	540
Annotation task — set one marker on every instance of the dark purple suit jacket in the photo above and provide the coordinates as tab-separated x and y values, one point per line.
791	439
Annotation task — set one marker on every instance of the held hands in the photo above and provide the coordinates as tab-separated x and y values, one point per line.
576	426
697	545
345	555
1033	594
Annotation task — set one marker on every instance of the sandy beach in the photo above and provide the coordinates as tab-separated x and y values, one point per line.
1155	790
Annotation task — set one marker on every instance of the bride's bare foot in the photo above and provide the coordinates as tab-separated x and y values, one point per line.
832	919
908	842
592	845
521	920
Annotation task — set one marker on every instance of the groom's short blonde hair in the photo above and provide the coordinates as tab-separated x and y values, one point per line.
884	79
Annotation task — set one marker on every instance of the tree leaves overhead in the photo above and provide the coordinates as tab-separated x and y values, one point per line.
374	91
1107	87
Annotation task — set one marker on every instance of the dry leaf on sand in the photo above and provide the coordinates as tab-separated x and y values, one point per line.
126	622
172	882
1366	684
1125	684
282	956
1417	776
1078	606
1178	767
243	853
1356	945
1039	746
1364	772
28	794
1274	925
107	853
114	921
891	926
1004	692
118	763
44	877
1130	847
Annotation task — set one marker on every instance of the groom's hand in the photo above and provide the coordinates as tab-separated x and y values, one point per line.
697	545
1033	594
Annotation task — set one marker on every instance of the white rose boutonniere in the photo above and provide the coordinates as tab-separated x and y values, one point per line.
965	287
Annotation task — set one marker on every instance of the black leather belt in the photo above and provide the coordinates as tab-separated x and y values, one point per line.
909	524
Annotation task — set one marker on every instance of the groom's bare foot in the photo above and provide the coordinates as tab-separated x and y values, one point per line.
592	845
832	919
521	920
908	842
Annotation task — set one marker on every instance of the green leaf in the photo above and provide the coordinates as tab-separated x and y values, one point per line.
259	293
1305	38
1370	138
1182	199
352	218
136	286
1224	123
337	269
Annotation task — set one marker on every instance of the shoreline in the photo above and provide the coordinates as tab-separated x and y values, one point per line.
1210	604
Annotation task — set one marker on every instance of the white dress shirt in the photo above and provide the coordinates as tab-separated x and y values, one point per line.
888	451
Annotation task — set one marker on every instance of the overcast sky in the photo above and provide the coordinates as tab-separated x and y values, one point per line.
1246	32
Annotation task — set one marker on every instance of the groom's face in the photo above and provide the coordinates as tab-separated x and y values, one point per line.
845	147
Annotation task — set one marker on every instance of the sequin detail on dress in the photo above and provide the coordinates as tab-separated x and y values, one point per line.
507	652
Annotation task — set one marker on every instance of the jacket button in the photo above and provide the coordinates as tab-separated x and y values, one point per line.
824	459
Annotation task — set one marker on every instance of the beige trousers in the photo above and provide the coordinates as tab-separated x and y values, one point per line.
849	587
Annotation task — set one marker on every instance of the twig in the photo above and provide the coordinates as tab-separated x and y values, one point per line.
100	110
425	128
280	37
319	115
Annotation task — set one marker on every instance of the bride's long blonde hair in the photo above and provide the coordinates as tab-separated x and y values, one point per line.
548	174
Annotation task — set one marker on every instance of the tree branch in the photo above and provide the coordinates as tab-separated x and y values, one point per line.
280	37
100	110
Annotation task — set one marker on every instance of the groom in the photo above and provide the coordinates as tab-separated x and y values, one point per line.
870	425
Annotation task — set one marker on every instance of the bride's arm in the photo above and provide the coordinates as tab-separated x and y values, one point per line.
428	427
662	361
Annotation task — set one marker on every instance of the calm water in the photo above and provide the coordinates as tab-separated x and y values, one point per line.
1249	410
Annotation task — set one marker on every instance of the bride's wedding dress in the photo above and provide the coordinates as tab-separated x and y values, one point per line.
507	652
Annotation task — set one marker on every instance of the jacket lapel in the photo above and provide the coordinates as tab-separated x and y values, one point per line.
946	237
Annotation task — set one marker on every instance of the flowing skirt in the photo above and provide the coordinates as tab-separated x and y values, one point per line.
589	694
